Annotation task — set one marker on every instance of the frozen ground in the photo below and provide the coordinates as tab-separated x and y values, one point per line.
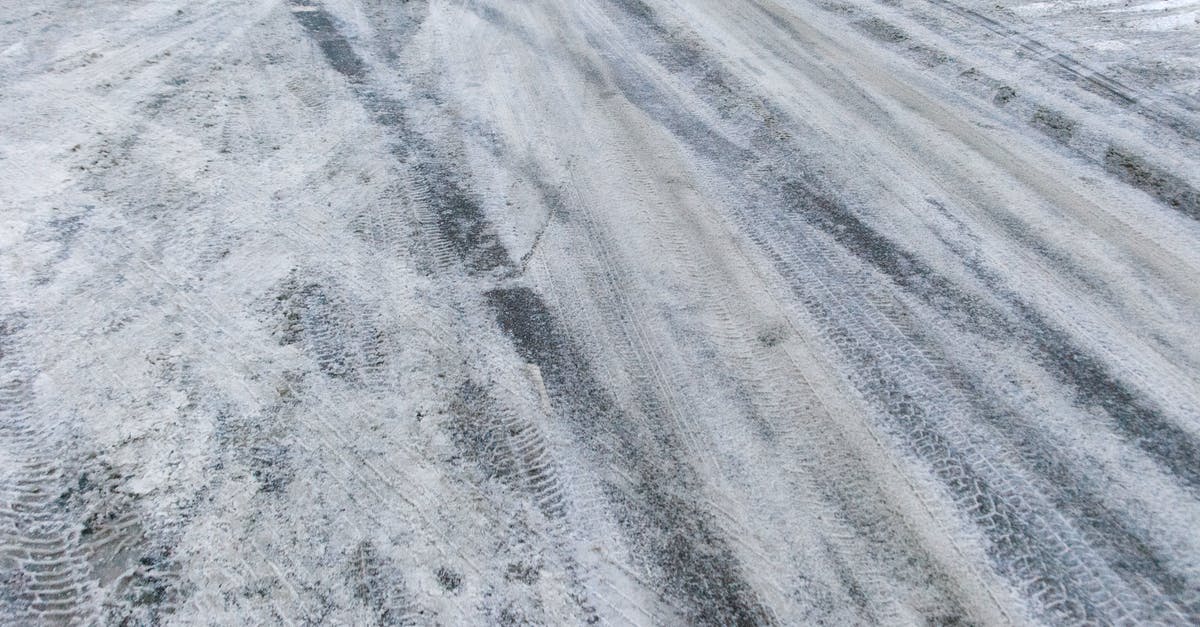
629	311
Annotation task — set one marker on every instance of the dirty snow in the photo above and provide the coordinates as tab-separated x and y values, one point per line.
619	311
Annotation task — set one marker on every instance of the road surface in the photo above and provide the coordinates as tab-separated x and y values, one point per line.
617	311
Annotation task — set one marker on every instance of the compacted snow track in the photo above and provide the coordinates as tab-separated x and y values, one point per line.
620	311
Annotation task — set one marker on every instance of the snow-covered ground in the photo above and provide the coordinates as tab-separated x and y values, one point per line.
629	311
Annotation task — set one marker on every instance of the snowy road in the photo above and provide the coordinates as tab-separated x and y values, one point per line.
629	311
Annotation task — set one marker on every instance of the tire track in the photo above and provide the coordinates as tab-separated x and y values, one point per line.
44	560
698	569
1092	80
871	523
460	240
1097	145
1091	383
618	310
45	566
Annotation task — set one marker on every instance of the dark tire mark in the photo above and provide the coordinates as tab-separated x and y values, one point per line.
1016	531
973	313
378	583
1094	81
314	317
881	30
1004	94
659	509
456	215
505	447
1054	124
461	222
694	564
1132	169
1166	187
334	46
1091	80
1136	418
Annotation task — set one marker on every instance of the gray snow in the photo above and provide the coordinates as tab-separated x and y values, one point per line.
617	311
